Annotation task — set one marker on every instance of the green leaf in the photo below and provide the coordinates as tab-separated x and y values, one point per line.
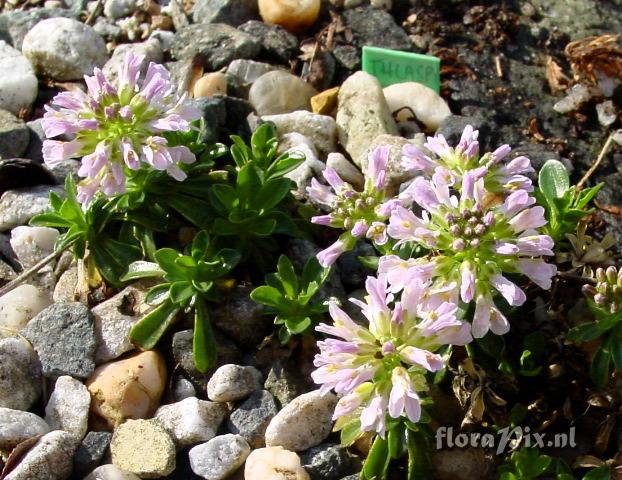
288	277
272	193
418	455
599	473
314	272
396	438
616	352
600	368
584	333
297	326
553	179
200	244
269	296
226	194
204	348
49	220
166	259
285	164
377	461
157	294
141	269
181	292
147	332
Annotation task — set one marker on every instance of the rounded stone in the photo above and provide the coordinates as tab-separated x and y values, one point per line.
252	417
18	82
128	388
303	423
280	92
274	463
293	15
68	407
427	105
17	426
233	382
20	374
19	306
110	472
33	244
210	84
14	135
64	49
143	447
220	457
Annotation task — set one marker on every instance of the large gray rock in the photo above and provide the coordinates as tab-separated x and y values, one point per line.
18	82
220	457
151	49
17	426
50	459
14	134
20	374
64	49
251	418
15	25
363	114
231	12
18	206
217	43
64	337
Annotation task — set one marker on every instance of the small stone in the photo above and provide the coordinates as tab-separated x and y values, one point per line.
247	71
115	9
220	457
280	92
217	43
327	462
303	423
110	472
20	305
309	168
183	389
18	83
463	464
51	458
250	326
68	407
284	383
363	114
64	49
90	452
276	42
325	103
20	374
17	426
606	112
191	420
114	319
65	289
412	97
143	447
617	136
14	135
374	27
251	418
233	382
293	15
151	49
16	24
346	169
320	129
274	463
396	173
64	337
575	97
231	12
17	207
33	244
210	84
128	388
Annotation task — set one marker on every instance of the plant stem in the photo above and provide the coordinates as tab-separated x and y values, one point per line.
32	270
595	165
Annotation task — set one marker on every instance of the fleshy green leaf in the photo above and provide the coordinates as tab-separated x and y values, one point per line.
266	295
351	432
599	473
288	277
553	179
141	269
147	332
377	461
204	348
600	368
584	333
181	292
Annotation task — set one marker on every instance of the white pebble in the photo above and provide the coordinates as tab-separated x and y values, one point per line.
220	457
303	423
427	105
233	382
17	426
274	463
19	306
32	244
18	82
110	472
68	407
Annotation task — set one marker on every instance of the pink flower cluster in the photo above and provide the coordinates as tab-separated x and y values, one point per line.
116	129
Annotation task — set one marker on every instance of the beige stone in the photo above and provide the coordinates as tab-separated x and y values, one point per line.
294	15
325	103
129	388
144	448
280	92
274	463
210	84
19	306
427	105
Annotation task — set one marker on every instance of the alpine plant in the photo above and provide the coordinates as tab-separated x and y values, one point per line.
116	129
475	240
379	368
361	214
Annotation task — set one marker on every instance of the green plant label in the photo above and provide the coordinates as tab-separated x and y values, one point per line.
394	66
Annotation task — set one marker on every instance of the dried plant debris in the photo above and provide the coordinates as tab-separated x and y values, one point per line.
592	56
